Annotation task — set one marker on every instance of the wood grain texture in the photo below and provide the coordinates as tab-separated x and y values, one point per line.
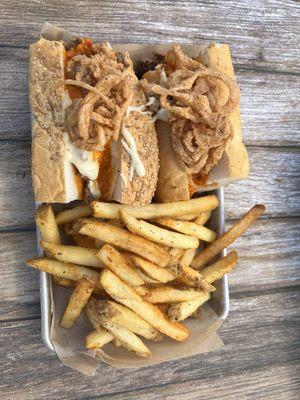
268	105
262	33
274	181
260	359
260	337
264	264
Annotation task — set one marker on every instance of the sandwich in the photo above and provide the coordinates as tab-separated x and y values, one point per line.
197	122
92	134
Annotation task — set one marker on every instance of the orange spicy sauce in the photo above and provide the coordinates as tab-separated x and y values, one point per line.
105	171
198	180
84	48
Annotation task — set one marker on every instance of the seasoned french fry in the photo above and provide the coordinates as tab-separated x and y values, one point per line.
168	294
77	302
127	318
71	214
203	218
152	211
98	338
124	294
228	237
158	235
176	254
145	277
127	338
191	277
188	217
45	220
83	241
62	270
220	268
117	342
63	281
124	239
117	263
69	283
189	228
73	254
180	311
152	270
188	256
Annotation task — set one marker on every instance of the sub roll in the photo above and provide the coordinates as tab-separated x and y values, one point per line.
198	122
92	134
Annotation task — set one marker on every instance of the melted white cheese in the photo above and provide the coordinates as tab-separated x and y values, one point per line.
83	160
67	102
94	189
162	115
163	78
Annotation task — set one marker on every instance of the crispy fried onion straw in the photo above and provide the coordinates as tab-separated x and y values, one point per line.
199	100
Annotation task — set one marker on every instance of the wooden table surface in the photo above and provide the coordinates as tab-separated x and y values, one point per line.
260	358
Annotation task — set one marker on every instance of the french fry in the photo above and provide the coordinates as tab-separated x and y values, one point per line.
176	254
153	211
73	254
127	296
203	218
45	220
117	342
228	237
145	277
188	217
117	263
159	274
77	302
220	268
191	277
189	228
69	283
168	294
98	338
127	338
158	235
62	270
127	318
63	281
124	239
181	311
188	256
83	240
66	216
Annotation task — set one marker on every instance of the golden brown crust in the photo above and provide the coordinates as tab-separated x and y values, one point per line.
52	174
172	184
140	190
235	157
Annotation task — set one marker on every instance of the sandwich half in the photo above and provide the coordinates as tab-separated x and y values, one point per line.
198	122
92	134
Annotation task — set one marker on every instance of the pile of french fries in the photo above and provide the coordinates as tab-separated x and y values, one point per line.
135	270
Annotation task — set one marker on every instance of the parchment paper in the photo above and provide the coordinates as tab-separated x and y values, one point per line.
70	344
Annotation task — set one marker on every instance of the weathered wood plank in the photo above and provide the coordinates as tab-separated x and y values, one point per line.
264	264
247	365
16	196
269	103
19	293
263	34
274	181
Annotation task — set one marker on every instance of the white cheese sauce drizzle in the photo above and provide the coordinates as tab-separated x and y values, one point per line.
83	160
